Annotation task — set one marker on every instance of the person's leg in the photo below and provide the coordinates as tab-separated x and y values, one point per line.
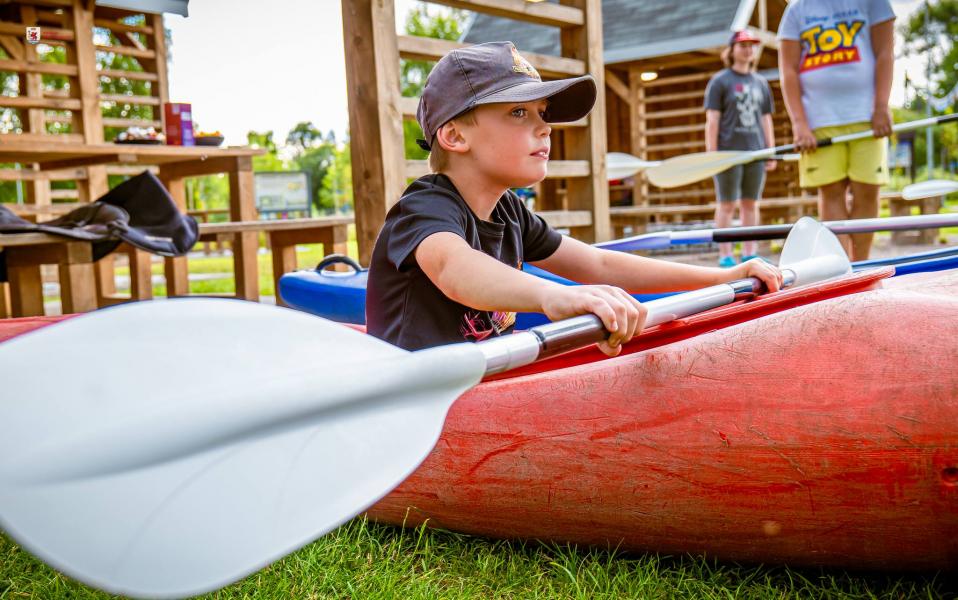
864	206
727	185
753	180
749	212
832	206
868	171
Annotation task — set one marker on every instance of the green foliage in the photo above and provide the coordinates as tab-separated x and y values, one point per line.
336	189
937	41
945	141
443	24
314	153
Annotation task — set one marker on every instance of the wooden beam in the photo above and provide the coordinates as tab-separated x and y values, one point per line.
127	51
431	49
114	122
48	33
24	102
130	99
138	75
673	97
618	86
116	26
375	116
679	112
13	46
664	81
69	138
542	13
699	127
20	66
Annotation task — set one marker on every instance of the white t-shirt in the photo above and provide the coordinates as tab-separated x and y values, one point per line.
837	71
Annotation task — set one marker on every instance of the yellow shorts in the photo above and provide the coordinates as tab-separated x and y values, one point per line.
864	161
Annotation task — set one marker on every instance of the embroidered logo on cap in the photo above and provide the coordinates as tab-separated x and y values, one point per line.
521	65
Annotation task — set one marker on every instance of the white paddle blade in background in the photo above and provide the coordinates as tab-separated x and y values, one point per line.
929	189
690	168
166	449
620	165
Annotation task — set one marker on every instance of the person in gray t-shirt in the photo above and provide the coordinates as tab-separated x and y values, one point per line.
738	116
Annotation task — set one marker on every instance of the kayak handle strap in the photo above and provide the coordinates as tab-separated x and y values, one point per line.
338	259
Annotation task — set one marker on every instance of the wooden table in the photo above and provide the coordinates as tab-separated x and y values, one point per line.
175	163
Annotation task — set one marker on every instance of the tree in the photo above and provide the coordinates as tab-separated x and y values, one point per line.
936	42
444	24
336	191
305	135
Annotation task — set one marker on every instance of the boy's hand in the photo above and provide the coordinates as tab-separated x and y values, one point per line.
768	273
621	314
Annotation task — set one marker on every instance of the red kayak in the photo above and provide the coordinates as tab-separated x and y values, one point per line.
818	425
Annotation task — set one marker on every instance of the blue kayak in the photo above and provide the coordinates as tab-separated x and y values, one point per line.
341	296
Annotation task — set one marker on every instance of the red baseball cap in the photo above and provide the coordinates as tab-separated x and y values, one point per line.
743	37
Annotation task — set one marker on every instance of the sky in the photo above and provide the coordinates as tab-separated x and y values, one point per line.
245	67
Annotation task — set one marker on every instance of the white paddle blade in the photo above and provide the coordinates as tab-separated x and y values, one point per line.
620	165
183	444
690	168
929	189
813	253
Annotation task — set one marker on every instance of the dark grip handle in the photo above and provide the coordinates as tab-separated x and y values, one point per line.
337	259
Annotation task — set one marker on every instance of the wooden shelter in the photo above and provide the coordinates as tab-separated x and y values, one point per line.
59	125
376	108
658	57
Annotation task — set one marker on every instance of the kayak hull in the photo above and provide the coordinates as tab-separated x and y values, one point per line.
822	435
814	426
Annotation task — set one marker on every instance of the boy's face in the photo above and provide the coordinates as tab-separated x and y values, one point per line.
509	143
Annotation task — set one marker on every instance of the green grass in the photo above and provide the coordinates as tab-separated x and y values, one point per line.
367	560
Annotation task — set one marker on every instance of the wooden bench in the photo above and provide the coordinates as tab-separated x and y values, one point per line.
26	252
284	235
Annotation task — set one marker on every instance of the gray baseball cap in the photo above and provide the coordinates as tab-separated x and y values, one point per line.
492	73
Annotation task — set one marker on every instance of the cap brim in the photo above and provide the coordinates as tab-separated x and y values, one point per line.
569	99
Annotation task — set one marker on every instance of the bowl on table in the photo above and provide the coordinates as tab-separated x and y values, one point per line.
208	140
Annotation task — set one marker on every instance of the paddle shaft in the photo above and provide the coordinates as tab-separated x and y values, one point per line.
664	239
525	347
910	125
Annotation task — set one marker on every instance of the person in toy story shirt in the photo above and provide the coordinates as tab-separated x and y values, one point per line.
836	60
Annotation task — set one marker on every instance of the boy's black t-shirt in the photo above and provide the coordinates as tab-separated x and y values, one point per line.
403	306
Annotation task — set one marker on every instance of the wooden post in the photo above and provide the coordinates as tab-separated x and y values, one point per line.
88	84
245	243
175	268
639	141
375	116
38	190
589	143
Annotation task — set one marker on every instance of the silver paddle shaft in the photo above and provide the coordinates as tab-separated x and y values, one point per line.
525	347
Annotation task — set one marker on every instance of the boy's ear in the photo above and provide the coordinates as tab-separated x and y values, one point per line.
451	139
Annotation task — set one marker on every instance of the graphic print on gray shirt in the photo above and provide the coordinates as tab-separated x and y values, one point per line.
742	99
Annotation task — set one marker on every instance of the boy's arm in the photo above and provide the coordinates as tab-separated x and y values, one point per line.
883	46
583	263
768	128
789	56
479	281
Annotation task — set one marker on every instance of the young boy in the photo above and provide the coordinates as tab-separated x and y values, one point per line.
447	264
